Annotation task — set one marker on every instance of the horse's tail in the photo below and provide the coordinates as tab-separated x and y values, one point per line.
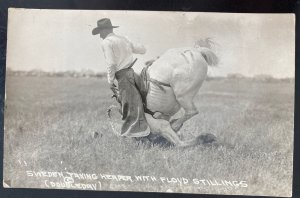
205	46
209	56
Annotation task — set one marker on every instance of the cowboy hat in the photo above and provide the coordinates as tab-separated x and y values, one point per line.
104	23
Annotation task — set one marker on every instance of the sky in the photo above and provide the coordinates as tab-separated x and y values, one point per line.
61	40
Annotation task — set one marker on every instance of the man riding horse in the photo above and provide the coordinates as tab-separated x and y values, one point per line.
118	52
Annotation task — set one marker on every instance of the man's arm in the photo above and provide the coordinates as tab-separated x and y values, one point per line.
138	48
111	67
110	61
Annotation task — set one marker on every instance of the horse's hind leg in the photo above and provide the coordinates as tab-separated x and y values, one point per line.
185	88
189	111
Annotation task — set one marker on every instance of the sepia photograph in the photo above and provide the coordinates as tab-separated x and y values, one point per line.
150	101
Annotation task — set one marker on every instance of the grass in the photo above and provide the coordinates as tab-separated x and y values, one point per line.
50	123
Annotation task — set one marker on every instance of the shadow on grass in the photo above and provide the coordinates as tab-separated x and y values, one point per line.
161	142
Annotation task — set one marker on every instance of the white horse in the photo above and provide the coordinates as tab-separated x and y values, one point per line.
184	70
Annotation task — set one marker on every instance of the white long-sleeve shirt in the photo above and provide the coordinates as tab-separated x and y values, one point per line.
118	52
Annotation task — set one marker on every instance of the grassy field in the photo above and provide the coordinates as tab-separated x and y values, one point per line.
51	124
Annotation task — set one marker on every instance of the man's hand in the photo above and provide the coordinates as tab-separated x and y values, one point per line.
115	90
112	86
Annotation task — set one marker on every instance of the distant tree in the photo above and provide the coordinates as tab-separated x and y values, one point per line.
235	76
264	78
210	78
289	80
100	75
9	72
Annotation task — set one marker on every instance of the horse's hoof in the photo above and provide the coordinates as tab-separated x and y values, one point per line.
207	138
159	115
176	127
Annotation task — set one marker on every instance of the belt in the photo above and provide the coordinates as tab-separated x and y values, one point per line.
118	73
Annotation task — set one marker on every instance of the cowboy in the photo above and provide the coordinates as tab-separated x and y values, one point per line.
118	52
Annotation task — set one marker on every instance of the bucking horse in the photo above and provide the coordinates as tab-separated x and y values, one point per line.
172	81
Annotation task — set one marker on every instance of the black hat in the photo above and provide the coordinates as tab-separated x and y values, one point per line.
104	23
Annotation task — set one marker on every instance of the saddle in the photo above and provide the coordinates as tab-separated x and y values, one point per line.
144	89
142	83
146	80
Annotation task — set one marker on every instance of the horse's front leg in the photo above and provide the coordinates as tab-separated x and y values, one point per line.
163	128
